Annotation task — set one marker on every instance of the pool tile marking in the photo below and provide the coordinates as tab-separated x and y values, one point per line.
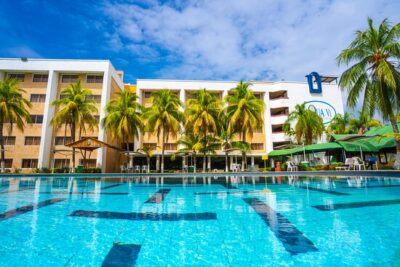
122	255
84	193
110	186
21	210
292	238
158	196
229	192
361	204
229	186
145	216
332	192
16	191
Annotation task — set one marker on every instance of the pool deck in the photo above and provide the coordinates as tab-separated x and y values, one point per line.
388	173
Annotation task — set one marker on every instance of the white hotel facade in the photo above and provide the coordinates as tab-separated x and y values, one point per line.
44	79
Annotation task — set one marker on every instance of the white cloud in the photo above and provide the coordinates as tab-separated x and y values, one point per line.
253	39
23	51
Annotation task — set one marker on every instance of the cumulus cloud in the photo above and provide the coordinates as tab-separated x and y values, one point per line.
235	39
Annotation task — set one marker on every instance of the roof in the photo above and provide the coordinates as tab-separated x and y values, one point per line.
90	144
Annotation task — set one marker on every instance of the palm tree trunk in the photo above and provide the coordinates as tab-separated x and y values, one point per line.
194	163
148	164
226	162
162	152
395	127
243	151
205	145
2	159
204	162
73	149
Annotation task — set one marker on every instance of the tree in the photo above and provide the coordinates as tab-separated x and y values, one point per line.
163	117
76	111
244	112
308	125
339	124
149	152
190	144
374	74
201	115
362	123
13	110
124	117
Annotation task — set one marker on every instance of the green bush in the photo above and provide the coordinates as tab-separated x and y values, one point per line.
92	170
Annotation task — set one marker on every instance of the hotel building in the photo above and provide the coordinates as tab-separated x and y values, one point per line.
42	145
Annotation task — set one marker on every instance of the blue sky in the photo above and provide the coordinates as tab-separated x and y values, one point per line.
232	39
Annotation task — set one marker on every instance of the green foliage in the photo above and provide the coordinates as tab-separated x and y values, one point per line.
123	120
362	123
308	125
339	124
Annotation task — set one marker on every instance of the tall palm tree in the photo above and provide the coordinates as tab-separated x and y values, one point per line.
362	123
13	110
76	111
164	117
124	117
201	115
148	152
309	126
244	112
339	124
374	73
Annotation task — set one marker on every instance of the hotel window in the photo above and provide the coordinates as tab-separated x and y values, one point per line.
62	140
68	78
259	95
124	146
61	163
277	128
37	119
96	98
94	79
8	163
29	163
40	78
278	95
151	145
257	146
282	111
32	140
170	146
88	163
17	76
38	98
9	140
147	94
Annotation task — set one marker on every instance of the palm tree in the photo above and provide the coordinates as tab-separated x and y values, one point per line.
374	73
309	126
190	144
13	110
339	124
244	112
163	117
76	111
149	152
124	117
202	118
362	123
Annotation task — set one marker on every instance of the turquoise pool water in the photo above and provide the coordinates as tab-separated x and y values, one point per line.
210	221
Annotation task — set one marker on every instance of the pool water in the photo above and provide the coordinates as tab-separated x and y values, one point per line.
200	221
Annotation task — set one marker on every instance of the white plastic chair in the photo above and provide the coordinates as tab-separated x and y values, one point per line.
291	167
144	169
349	163
358	163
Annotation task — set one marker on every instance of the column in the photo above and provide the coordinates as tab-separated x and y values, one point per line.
45	149
209	163
1	75
105	97
267	123
252	161
157	163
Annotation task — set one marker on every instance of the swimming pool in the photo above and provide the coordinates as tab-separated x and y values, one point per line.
199	221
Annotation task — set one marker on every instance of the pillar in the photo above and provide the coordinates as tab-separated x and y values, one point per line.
45	148
252	161
157	163
209	163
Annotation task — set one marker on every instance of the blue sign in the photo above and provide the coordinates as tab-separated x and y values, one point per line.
311	78
325	110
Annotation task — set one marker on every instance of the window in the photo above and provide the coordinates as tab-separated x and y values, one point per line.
32	140
278	95
9	140
125	146
277	128
96	98
17	76
88	163
282	111
67	78
257	146
62	140
38	98
61	163
38	119
40	78
8	163
170	146
147	94
29	163
94	79
151	145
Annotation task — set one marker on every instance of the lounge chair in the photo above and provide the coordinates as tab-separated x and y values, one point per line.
291	167
358	163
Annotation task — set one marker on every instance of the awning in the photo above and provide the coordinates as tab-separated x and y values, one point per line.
90	144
